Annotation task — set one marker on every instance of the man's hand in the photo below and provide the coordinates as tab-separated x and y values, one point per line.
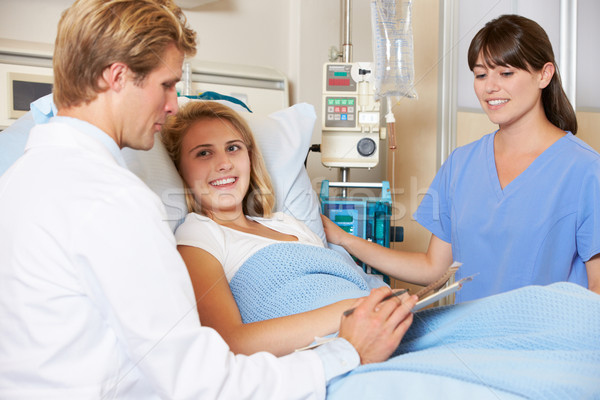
375	328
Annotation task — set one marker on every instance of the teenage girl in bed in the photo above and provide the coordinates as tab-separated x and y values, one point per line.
230	199
519	206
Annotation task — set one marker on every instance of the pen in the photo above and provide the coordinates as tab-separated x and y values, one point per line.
395	294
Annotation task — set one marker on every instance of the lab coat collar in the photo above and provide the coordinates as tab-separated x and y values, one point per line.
65	131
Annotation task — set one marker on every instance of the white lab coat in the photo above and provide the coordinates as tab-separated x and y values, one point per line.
95	301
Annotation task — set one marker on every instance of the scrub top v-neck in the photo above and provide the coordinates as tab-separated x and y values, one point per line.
523	178
539	229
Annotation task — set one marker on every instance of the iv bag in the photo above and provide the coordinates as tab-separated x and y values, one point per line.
393	48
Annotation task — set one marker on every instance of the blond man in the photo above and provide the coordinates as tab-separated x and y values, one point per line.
95	301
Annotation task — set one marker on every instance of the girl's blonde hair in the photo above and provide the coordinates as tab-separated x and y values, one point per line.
260	199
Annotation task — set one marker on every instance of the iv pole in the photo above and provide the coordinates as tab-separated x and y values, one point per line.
346	54
346	46
346	31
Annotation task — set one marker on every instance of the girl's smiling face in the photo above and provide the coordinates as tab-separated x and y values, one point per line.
215	163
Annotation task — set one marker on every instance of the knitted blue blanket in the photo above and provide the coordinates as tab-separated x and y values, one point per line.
539	342
289	278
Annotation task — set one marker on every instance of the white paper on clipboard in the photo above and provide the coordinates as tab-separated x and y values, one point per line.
447	291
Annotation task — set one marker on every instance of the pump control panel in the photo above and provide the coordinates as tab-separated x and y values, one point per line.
340	109
350	123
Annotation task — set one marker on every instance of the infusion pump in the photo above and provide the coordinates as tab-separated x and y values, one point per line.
351	120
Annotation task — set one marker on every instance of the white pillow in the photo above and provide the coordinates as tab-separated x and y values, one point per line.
13	140
283	137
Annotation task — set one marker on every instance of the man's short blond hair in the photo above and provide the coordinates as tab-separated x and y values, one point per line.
94	34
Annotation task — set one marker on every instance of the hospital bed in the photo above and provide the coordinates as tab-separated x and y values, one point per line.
435	359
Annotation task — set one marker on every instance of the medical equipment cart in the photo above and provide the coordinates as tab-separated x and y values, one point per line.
365	217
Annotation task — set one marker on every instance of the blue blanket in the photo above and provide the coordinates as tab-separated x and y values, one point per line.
289	278
539	342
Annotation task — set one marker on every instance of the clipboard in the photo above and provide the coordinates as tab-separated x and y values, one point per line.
440	294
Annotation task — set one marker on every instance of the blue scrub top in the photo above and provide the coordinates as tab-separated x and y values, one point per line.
539	229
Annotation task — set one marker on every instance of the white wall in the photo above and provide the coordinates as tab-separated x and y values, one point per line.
31	20
588	56
236	31
292	36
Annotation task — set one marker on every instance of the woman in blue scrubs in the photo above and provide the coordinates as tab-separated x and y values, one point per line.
519	206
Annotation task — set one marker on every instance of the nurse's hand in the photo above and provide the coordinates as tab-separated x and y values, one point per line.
333	232
375	328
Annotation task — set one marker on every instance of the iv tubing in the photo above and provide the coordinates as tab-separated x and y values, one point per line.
390	120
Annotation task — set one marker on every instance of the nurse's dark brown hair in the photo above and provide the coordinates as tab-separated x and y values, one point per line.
516	41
